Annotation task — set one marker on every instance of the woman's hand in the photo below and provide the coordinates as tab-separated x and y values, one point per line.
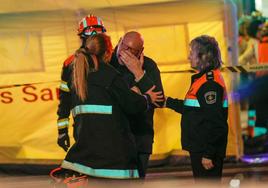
207	163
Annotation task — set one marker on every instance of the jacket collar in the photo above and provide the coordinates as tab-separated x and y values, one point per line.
201	73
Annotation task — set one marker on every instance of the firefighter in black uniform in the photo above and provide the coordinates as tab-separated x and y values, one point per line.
204	111
141	73
88	26
100	98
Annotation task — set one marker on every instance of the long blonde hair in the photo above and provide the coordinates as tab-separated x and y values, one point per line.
98	48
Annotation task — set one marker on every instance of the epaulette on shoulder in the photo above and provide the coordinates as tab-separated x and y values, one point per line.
210	75
69	60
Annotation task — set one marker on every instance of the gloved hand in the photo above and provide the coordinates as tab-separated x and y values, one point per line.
63	139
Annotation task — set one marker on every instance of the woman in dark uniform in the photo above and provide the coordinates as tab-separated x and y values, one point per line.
204	110
100	100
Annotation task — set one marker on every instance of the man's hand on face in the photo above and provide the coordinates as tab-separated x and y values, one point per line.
133	64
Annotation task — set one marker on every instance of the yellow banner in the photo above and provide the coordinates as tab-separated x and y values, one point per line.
28	123
29	131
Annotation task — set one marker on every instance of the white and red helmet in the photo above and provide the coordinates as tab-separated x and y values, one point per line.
90	25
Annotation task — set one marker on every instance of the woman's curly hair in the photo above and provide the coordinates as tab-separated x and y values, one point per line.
208	51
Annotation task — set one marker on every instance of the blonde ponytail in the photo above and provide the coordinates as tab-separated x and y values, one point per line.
80	72
98	48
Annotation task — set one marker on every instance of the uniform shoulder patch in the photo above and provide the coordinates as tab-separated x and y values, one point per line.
210	97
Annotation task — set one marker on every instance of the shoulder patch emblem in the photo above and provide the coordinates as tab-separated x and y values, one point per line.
210	97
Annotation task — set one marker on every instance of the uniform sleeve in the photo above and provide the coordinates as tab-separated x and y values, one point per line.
175	104
151	77
128	100
64	106
210	97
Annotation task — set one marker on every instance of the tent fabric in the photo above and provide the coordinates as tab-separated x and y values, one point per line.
37	37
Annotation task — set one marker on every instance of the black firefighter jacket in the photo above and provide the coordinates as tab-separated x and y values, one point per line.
105	146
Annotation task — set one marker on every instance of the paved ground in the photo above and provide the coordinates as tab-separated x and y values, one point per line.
251	176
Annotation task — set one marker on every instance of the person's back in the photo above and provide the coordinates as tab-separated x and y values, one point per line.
100	99
88	26
104	138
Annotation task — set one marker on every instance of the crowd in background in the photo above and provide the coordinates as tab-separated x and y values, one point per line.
253	49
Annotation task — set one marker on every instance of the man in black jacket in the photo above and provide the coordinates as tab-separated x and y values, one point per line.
141	73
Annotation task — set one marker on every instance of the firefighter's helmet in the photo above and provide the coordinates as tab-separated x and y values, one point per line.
90	25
